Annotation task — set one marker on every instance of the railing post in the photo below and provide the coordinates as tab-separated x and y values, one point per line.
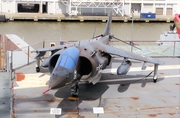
28	55
174	48
11	57
11	71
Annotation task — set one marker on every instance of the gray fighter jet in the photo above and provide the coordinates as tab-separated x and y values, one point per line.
85	60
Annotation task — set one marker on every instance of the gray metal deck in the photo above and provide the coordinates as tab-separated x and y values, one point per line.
129	96
5	95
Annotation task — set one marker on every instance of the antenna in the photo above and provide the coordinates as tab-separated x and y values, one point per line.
131	44
94	31
132	27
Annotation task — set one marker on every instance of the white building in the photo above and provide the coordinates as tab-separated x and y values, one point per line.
121	7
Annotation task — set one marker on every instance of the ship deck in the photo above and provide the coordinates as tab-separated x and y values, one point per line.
131	95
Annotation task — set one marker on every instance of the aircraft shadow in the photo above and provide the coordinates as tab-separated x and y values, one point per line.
90	92
131	79
43	101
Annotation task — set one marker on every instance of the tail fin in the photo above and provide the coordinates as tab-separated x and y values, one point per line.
177	23
108	25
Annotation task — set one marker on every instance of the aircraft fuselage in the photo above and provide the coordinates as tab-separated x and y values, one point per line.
88	61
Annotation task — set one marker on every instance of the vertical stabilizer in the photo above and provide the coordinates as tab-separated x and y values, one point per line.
108	25
177	23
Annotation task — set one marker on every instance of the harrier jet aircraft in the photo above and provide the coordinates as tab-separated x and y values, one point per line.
84	61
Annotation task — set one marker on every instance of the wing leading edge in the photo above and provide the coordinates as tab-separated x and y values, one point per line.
41	52
122	53
59	47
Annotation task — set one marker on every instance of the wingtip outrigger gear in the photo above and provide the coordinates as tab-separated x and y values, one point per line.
38	65
38	59
155	77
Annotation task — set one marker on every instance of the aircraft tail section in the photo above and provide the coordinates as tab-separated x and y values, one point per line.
108	25
177	23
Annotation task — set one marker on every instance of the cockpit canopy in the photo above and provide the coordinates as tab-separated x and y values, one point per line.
68	58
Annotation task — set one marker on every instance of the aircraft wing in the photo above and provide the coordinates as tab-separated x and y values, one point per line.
122	53
53	48
41	52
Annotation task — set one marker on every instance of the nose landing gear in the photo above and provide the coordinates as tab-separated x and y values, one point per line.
74	93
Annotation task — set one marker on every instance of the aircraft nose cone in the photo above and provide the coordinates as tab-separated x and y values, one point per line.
56	81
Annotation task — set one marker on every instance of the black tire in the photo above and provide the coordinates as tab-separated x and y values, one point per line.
37	69
154	80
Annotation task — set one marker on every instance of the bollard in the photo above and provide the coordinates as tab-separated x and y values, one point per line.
176	112
137	113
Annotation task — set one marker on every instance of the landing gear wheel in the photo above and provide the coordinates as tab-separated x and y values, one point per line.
37	69
154	80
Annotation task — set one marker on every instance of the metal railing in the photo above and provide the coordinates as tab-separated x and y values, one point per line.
148	48
152	48
21	57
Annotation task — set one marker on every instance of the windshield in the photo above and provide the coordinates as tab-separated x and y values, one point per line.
68	58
